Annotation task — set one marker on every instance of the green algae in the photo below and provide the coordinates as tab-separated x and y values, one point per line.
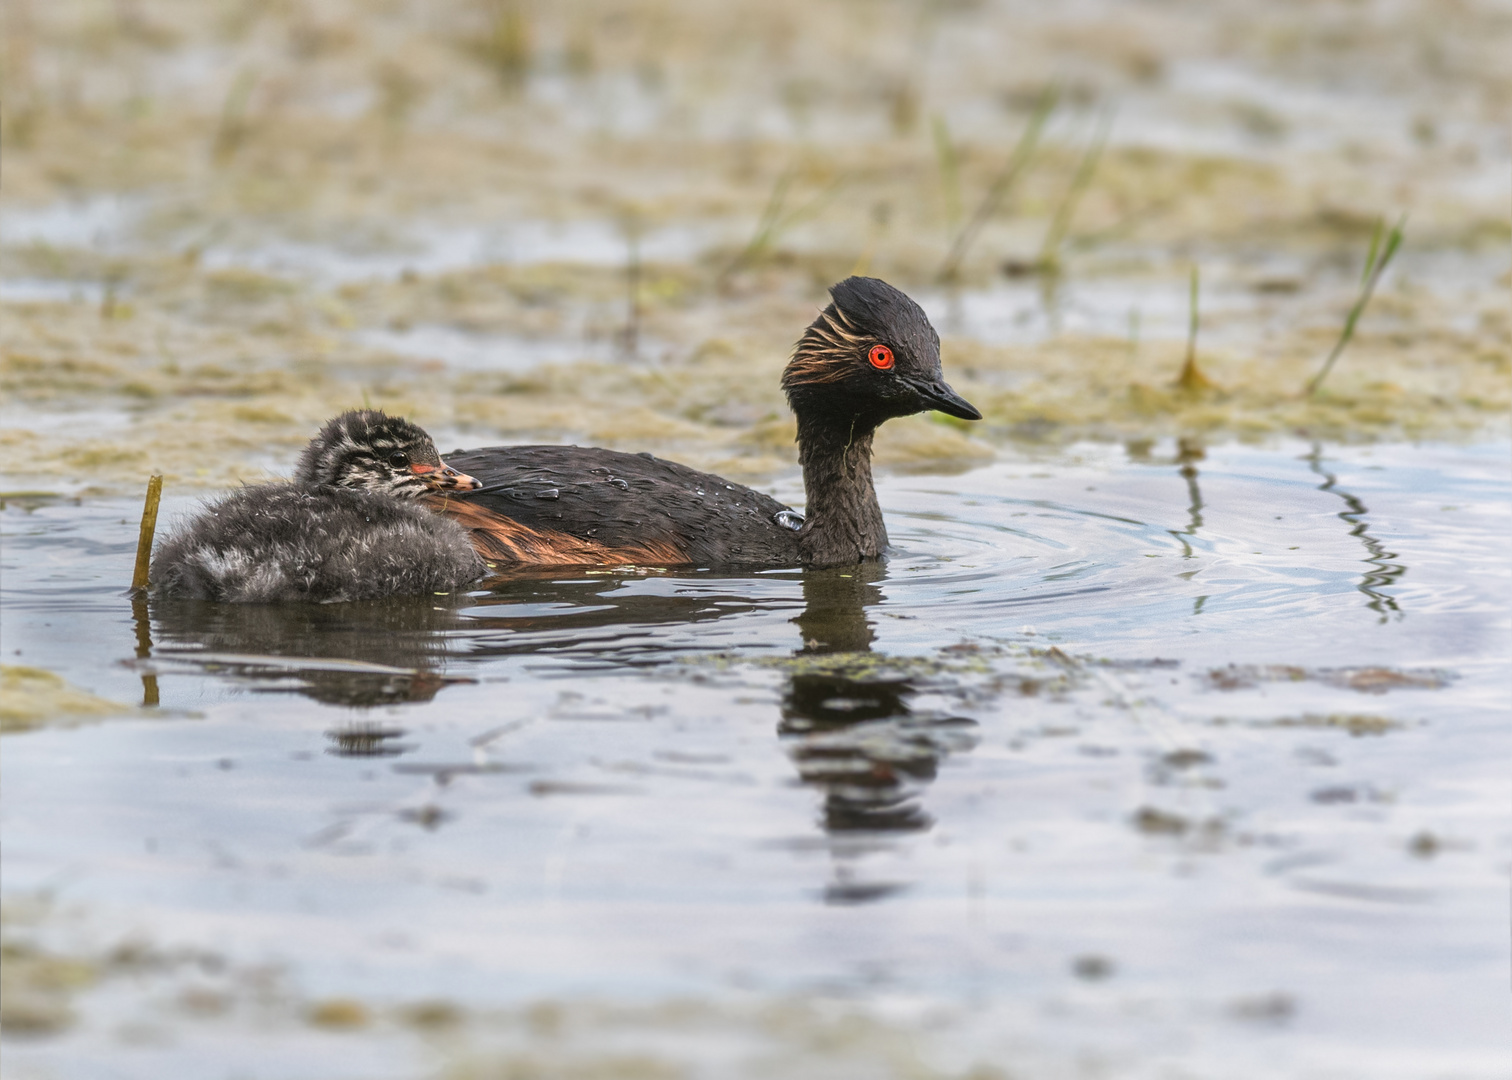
36	990
1356	724
47	990
245	159
1365	680
858	666
205	381
31	698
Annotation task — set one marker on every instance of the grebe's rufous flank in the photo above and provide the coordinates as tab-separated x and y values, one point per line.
871	355
350	525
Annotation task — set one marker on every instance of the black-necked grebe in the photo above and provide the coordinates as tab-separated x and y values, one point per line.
350	525
870	356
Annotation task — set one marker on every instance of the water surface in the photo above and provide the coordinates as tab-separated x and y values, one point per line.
1114	752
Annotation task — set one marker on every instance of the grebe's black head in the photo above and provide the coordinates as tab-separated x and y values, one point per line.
370	451
870	356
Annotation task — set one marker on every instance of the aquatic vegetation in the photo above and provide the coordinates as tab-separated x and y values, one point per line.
1049	260
1367	680
1192	380
1001	185
1355	723
505	44
339	1014
139	580
32	698
209	394
948	159
1377	259
854	665
37	988
234	127
208	285
776	219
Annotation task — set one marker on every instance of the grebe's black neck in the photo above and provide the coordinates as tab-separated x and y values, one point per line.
868	357
843	521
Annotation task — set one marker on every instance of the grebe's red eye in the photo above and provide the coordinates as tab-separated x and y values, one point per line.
881	357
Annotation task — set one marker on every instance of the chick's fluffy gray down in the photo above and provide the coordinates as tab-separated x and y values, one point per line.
275	542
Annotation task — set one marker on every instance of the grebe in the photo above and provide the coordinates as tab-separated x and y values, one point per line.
871	355
350	525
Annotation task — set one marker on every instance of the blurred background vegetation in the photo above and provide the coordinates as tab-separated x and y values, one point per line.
606	220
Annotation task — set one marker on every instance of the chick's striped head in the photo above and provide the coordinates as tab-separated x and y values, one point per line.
368	450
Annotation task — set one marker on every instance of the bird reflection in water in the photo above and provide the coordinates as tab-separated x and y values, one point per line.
358	655
388	652
849	717
850	725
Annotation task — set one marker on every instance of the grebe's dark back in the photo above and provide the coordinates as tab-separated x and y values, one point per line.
871	355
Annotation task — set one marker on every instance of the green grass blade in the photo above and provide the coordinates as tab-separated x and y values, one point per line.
949	163
1376	262
1191	379
766	224
1393	242
1081	180
1192	313
1375	247
1002	184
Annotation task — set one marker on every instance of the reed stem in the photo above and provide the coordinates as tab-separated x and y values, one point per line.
1191	378
948	160
145	536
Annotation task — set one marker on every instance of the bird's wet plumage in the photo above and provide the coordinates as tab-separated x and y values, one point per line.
579	505
374	511
870	356
368	450
350	526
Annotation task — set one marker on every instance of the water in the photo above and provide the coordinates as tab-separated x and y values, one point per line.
1130	762
469	351
1163	759
1136	292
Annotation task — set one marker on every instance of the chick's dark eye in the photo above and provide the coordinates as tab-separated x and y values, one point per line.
399	459
881	357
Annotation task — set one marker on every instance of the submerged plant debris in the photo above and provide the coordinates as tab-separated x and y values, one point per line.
1367	680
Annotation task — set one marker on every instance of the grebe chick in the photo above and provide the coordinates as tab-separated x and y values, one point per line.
350	525
870	356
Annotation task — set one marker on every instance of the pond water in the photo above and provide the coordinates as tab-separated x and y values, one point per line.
1169	741
1167	760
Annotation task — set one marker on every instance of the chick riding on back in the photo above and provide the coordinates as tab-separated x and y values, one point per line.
350	525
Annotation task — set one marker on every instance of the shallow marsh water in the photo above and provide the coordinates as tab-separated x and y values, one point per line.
1160	761
1170	740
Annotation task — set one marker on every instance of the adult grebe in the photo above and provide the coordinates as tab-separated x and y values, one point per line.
871	355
